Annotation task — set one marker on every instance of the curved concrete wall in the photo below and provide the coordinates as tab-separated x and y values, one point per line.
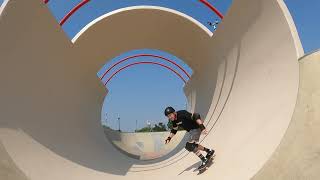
297	157
8	169
143	146
245	84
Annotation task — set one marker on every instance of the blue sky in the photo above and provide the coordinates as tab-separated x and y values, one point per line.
141	92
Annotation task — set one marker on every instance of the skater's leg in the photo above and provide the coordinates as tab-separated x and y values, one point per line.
203	159
198	153
194	137
210	152
192	146
202	148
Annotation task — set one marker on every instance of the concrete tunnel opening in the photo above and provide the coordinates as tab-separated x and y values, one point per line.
143	144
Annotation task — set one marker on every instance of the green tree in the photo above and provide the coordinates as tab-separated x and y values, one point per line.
160	127
144	129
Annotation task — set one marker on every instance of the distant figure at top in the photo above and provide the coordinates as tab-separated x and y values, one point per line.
214	25
193	124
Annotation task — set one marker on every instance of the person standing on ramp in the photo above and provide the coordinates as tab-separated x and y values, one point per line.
193	124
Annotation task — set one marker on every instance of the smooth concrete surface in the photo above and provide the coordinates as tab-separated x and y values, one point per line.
8	169
298	156
143	145
245	85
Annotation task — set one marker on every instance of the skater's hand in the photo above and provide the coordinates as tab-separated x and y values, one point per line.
204	132
168	140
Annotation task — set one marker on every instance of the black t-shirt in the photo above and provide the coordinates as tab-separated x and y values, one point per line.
185	120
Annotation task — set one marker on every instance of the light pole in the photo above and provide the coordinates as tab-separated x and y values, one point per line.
136	126
106	120
119	122
149	125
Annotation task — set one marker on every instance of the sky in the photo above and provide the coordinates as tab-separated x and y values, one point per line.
141	93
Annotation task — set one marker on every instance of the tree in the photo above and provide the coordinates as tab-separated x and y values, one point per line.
160	127
105	126
144	129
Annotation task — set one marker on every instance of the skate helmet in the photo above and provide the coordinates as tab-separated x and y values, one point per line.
168	111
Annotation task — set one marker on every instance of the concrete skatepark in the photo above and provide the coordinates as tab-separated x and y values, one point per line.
144	146
256	89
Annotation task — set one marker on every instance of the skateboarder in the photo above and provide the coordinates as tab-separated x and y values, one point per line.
193	124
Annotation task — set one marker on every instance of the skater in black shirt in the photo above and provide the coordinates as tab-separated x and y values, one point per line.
193	124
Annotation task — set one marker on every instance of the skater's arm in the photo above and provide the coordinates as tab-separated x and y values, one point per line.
169	138
199	121
173	132
197	118
171	135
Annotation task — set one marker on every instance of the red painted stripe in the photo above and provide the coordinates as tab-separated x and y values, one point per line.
45	1
205	2
75	9
144	55
145	62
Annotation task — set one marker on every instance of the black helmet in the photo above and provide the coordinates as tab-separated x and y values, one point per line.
168	111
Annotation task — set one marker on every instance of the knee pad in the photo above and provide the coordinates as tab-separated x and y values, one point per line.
191	146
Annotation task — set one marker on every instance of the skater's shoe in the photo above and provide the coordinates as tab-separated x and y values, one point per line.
203	164
210	154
